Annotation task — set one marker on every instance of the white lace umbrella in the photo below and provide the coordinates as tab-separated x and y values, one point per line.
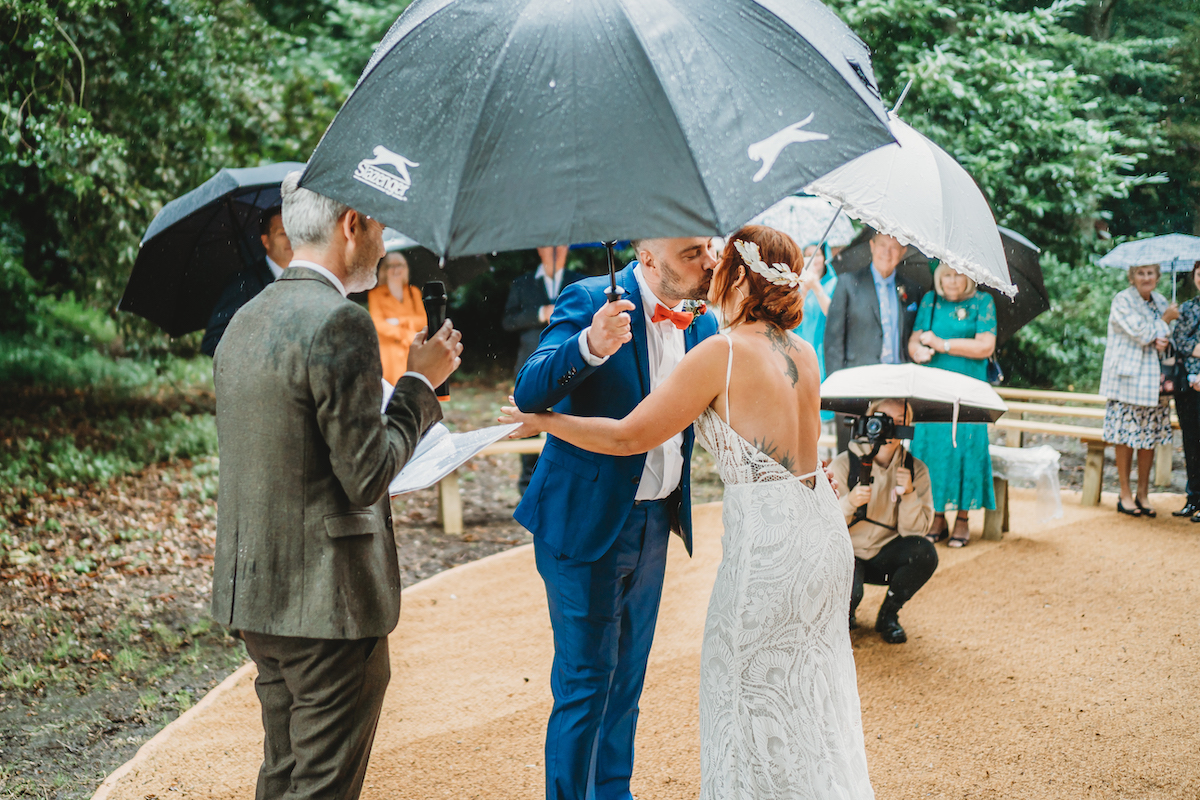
917	193
805	219
935	395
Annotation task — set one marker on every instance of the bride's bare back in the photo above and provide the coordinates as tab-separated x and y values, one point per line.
774	393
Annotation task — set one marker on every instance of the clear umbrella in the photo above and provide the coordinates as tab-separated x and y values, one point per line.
1174	252
806	219
913	190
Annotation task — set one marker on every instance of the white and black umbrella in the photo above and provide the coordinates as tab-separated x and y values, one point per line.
935	395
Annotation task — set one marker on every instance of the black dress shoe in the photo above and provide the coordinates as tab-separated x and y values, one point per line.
1187	511
887	624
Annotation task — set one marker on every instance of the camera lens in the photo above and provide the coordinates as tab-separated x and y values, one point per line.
874	427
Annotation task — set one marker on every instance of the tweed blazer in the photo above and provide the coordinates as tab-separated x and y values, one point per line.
1131	370
304	527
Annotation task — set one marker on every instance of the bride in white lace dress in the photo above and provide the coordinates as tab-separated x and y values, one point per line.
779	708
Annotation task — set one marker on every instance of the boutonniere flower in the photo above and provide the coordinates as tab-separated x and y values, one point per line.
960	314
902	293
697	308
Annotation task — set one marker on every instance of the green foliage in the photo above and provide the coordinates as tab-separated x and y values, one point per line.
1059	129
38	462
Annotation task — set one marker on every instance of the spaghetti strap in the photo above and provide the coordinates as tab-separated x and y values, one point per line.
728	372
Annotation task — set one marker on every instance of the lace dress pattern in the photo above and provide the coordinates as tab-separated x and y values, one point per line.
779	707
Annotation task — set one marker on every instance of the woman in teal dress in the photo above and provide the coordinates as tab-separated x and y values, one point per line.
955	330
817	282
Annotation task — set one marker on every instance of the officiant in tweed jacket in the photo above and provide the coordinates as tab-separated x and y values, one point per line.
305	564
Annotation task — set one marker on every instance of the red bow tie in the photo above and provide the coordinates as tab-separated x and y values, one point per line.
680	319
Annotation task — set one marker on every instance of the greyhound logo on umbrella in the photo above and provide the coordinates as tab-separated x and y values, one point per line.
769	148
369	172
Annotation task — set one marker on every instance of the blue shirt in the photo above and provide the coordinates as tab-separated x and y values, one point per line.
889	316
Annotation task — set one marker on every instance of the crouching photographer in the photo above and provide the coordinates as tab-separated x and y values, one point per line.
888	504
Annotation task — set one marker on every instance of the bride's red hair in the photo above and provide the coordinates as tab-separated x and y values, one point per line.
766	301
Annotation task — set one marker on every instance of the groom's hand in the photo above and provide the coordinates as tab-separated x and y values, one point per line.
610	328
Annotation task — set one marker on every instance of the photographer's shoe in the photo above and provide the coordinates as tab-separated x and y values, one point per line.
887	624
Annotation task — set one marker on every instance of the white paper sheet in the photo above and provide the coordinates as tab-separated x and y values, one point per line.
440	452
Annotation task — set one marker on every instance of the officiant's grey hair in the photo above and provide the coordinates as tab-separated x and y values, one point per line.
308	218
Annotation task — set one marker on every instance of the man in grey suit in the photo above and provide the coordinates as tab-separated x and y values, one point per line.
306	566
871	316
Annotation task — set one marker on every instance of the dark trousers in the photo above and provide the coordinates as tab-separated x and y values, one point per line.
320	705
528	462
603	615
1187	406
903	565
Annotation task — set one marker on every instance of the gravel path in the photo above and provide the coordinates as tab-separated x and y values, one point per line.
1058	663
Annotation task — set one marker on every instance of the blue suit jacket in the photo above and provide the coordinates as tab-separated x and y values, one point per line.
577	501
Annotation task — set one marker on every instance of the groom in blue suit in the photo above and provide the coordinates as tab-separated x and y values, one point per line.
601	523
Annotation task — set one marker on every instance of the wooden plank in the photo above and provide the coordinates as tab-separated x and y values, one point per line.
1080	432
450	505
504	446
995	522
1050	396
1074	412
1162	464
1093	474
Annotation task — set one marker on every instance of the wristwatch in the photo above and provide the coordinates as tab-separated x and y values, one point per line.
946	345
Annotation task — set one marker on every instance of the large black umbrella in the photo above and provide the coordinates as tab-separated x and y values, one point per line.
197	242
481	125
1023	268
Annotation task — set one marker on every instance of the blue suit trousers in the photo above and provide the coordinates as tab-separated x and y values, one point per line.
603	615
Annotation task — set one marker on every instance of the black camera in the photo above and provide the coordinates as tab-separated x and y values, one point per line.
877	429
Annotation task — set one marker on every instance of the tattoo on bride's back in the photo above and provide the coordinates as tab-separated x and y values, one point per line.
768	448
782	344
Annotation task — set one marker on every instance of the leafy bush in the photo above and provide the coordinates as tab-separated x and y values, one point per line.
36	464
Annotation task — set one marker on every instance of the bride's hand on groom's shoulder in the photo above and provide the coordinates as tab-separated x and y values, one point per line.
529	422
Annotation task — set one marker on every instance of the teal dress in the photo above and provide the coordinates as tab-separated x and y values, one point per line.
812	325
962	475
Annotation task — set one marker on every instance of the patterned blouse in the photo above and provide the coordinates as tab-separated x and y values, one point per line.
1131	370
1187	335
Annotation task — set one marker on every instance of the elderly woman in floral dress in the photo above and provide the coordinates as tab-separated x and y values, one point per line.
1136	417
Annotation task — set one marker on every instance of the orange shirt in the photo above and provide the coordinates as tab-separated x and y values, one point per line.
396	322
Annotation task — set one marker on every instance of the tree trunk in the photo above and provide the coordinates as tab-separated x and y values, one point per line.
1098	19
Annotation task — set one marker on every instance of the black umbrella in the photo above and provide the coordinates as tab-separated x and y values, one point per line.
197	242
482	125
1023	268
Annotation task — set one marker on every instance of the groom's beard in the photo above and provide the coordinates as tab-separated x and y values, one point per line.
673	284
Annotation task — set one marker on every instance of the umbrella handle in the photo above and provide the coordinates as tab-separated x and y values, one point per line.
613	292
824	237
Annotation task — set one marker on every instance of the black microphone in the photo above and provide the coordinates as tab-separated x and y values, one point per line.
433	296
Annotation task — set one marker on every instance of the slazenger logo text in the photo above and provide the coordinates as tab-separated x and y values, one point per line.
393	185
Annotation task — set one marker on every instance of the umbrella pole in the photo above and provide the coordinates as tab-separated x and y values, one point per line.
613	292
824	236
903	95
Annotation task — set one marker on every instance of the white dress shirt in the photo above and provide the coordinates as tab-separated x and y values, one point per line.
337	284
666	348
553	285
276	270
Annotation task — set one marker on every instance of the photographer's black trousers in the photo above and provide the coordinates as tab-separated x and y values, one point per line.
903	565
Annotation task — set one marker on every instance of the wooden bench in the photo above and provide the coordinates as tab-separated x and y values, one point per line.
1163	453
450	514
1093	468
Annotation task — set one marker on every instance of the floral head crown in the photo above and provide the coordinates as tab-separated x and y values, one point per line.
778	274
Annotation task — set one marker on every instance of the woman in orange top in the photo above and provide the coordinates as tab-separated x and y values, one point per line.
398	314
